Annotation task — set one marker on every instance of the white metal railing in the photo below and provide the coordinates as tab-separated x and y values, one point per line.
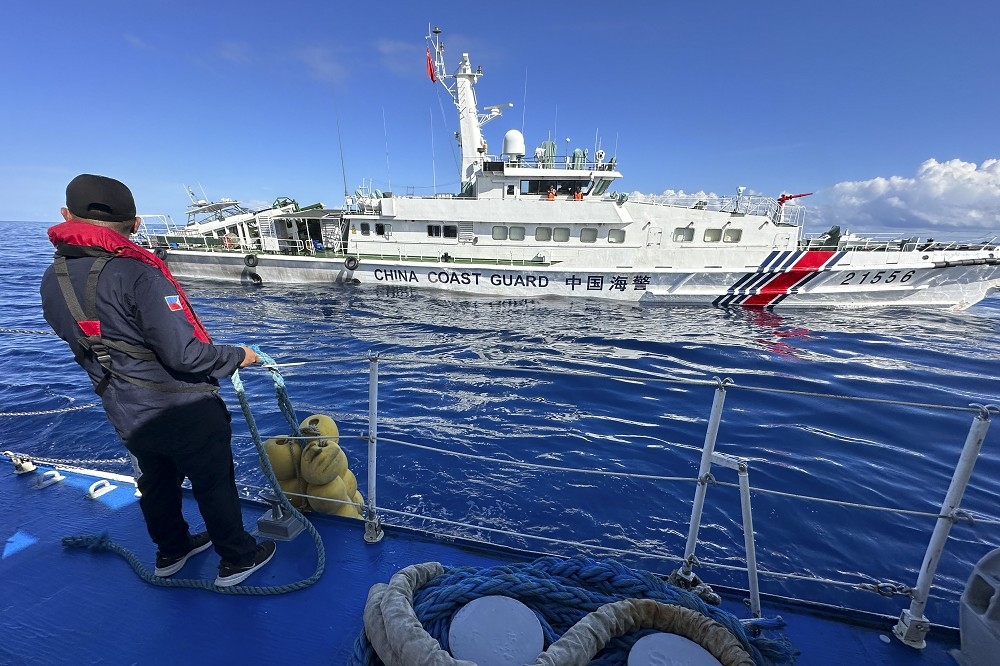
912	626
562	162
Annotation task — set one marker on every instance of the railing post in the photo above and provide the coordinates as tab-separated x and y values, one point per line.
373	525
748	538
913	626
742	469
704	470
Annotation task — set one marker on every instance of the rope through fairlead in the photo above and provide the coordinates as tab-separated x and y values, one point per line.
102	542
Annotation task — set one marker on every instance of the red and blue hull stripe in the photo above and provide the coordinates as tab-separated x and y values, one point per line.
781	274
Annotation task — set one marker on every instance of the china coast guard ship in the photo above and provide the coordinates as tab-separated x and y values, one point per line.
532	224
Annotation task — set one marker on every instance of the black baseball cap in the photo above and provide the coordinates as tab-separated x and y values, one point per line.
100	198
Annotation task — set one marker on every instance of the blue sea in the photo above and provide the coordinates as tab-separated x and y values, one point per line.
578	385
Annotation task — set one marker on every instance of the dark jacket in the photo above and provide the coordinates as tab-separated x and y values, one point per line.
136	304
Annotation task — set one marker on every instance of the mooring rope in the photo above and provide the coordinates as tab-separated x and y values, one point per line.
102	542
562	592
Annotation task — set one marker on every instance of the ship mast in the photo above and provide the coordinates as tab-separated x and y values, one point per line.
460	86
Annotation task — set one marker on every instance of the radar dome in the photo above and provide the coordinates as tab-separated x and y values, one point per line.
513	143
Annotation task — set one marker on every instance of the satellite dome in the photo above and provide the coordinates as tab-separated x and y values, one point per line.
513	143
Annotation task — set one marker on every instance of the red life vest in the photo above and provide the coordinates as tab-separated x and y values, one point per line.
92	235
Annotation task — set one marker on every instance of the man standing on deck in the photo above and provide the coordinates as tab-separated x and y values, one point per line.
152	362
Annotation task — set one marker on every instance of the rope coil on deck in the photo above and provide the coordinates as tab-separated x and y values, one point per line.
102	542
407	621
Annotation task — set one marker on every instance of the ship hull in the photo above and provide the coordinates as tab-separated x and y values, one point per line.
785	279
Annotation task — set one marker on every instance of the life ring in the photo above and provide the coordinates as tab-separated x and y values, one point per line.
250	260
160	253
351	263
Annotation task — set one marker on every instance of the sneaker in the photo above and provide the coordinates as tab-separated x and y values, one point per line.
168	565
231	574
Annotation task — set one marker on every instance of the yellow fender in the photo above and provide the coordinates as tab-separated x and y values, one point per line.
322	461
296	486
284	455
350	481
322	425
321	494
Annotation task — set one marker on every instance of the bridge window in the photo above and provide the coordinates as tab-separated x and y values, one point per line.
383	229
616	236
683	234
543	234
563	187
451	231
434	230
366	229
499	233
516	233
560	234
732	236
713	235
588	235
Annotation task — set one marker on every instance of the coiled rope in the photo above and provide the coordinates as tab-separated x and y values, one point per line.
560	592
102	542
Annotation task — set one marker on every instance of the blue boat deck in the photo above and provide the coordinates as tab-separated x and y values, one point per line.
70	605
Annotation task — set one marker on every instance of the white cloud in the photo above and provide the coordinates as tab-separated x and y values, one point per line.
952	196
401	58
323	65
237	52
135	41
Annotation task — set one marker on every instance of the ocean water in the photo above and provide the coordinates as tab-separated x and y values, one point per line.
580	385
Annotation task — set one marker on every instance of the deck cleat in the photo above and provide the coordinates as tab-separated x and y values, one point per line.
277	523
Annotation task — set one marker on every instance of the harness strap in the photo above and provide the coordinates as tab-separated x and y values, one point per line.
92	341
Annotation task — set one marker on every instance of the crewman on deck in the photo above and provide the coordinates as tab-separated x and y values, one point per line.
130	326
552	192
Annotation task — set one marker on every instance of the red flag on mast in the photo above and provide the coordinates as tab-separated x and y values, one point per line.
430	66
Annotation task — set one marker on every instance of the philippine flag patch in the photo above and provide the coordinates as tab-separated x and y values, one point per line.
173	303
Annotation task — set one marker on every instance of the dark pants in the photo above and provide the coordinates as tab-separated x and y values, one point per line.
194	441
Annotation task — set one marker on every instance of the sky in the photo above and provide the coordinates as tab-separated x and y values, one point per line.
887	111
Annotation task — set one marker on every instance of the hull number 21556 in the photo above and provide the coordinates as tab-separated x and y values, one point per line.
877	277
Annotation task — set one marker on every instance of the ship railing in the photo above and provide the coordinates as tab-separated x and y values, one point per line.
895	242
564	162
424	252
912	624
160	231
286	246
155	225
746	204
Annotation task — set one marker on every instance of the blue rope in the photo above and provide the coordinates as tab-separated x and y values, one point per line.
561	592
280	392
103	542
